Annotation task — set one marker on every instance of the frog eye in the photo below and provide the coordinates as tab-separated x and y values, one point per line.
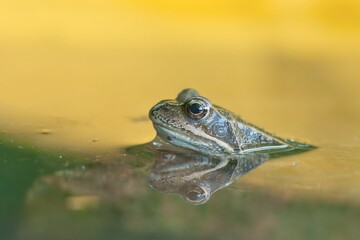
197	108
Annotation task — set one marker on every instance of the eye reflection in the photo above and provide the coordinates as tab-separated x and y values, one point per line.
197	194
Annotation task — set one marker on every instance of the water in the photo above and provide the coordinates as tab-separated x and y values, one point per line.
107	196
77	81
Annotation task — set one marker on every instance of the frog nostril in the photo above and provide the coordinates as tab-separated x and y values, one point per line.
166	107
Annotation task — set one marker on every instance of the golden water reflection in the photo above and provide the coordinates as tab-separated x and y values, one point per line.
87	72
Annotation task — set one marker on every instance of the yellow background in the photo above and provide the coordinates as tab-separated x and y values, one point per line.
87	72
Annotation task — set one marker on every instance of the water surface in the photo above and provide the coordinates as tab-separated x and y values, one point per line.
78	79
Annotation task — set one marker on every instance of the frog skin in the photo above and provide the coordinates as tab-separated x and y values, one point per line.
193	122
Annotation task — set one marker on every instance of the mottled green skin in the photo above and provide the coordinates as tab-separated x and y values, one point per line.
221	131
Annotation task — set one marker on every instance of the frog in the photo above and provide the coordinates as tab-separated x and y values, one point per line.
193	122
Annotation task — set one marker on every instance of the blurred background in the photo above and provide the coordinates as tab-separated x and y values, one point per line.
80	76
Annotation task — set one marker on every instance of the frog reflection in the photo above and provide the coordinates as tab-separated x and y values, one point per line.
195	176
